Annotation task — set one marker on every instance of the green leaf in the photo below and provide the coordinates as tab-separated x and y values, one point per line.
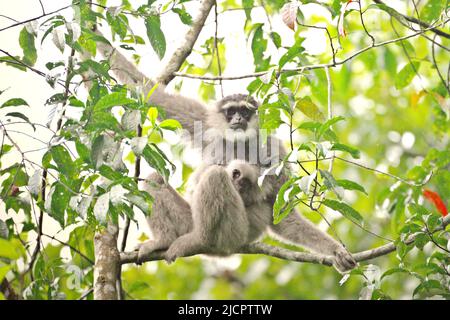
152	114
355	153
327	125
26	41
350	185
59	202
97	151
248	5
155	35
347	211
293	52
111	100
284	202
310	109
432	10
8	250
330	183
406	74
170	124
259	46
156	160
185	17
21	116
14	103
63	161
13	62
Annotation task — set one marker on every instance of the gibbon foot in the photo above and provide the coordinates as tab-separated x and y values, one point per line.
343	260
146	248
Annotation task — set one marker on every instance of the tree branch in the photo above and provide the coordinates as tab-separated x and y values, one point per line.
312	66
290	255
416	21
107	263
185	49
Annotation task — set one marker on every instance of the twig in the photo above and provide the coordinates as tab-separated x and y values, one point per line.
70	246
35	18
413	184
417	21
446	85
307	67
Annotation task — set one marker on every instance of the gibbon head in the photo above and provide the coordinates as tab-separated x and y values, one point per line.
235	114
245	179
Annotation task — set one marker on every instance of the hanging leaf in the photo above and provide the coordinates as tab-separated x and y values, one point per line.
14	103
355	153
155	35
59	39
101	208
347	211
60	199
26	41
111	100
406	74
64	161
138	144
130	120
331	183
34	183
170	124
289	14
21	116
184	16
310	109
351	185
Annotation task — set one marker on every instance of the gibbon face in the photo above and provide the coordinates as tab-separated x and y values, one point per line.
245	179
236	113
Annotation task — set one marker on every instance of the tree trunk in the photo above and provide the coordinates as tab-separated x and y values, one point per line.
107	263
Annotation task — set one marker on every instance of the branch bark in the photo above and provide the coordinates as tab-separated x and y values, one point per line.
107	263
185	49
290	255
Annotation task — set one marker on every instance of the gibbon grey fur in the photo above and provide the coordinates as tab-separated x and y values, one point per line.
293	229
235	114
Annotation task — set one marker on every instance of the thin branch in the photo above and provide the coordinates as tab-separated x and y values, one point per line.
308	67
290	255
433	55
413	184
216	49
70	246
417	21
42	7
185	49
19	23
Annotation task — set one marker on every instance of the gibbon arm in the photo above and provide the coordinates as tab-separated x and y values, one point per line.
298	230
176	106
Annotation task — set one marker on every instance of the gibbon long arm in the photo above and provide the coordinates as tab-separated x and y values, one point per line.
176	106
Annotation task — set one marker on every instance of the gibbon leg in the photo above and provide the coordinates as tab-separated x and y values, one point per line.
298	230
170	218
220	221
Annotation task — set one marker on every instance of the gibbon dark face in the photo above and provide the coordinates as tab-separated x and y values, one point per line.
239	110
241	182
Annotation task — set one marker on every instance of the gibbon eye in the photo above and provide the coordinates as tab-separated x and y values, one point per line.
236	174
230	112
245	112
